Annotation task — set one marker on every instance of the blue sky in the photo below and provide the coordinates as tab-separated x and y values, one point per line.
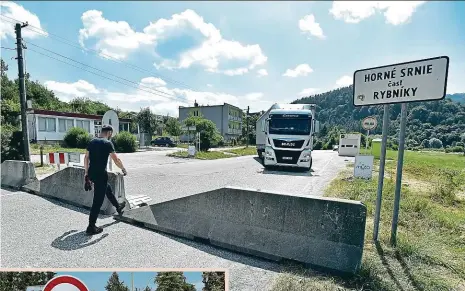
96	281
244	53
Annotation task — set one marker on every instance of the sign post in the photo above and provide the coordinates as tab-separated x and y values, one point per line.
422	80
369	123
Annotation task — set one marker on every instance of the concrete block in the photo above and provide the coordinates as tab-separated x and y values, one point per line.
317	231
16	174
67	185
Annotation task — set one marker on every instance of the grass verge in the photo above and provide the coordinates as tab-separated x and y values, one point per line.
214	155
35	149
430	251
43	170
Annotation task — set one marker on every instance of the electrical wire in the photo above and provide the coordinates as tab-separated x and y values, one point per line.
94	68
72	43
137	87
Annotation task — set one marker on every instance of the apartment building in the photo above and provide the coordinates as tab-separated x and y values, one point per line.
227	118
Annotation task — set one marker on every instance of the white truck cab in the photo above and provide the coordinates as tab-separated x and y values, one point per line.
285	135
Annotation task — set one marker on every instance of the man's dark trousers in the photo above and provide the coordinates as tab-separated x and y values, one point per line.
101	189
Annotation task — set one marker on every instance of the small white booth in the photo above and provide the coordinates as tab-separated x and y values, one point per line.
349	144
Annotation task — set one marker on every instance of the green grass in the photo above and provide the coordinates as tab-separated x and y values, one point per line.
430	251
43	170
250	151
35	149
214	155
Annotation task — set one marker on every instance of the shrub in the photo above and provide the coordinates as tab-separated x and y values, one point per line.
435	143
77	137
457	149
11	143
125	142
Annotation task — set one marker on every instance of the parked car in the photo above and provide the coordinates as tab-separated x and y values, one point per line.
163	141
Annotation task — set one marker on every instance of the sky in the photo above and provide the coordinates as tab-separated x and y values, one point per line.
96	281
164	55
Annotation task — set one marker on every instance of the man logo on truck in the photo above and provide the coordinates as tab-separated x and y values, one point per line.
289	144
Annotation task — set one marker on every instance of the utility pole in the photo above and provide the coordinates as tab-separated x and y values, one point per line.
22	89
247	118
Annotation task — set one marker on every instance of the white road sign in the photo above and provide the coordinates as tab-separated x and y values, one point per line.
363	166
422	80
74	157
369	123
188	128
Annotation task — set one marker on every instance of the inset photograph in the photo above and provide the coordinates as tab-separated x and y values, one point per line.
113	280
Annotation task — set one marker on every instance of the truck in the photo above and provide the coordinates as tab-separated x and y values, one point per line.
284	135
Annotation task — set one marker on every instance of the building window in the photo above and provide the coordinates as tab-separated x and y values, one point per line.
85	124
64	124
47	124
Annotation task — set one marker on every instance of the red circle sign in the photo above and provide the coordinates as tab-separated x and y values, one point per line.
66	279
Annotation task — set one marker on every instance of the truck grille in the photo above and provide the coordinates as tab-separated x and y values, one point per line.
294	144
287	157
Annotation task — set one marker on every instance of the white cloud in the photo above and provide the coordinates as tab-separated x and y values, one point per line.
209	85
118	39
15	11
262	73
254	96
115	39
395	12
152	81
308	25
300	70
68	91
309	92
344	81
163	101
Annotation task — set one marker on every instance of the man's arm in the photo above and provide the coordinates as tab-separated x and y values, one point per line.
86	162
118	162
115	158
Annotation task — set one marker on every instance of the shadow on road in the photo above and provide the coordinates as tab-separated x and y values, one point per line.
285	171
73	240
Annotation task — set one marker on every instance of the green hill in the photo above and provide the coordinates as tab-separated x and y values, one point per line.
457	97
443	120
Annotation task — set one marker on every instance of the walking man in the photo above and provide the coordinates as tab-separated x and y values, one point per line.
95	163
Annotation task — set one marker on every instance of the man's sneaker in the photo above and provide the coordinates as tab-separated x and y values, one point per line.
120	208
91	230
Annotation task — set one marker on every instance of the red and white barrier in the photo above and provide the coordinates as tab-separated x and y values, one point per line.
58	159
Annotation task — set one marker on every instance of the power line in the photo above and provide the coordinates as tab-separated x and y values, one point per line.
70	43
7	48
68	58
151	92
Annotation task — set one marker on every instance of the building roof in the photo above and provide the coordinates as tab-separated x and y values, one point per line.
200	106
73	114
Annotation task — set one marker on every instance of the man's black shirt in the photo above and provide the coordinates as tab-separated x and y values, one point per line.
99	151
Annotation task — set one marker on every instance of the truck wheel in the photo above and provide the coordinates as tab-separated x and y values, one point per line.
310	167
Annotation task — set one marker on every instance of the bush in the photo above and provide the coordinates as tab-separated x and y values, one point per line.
77	137
11	143
435	143
125	142
457	149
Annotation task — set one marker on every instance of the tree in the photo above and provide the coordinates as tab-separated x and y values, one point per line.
214	281
173	127
170	281
435	143
19	281
114	283
209	135
147	121
147	289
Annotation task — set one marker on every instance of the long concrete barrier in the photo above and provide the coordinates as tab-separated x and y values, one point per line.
67	185
317	231
16	174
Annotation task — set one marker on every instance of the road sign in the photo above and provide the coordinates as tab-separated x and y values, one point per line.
59	282
420	80
363	167
369	123
188	128
74	157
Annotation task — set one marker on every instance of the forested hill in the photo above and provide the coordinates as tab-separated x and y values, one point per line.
443	119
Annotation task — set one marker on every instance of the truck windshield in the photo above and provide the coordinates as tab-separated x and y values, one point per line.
297	126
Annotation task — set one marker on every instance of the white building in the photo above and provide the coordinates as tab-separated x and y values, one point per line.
349	145
46	126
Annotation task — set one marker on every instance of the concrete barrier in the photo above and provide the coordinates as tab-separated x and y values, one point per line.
317	231
67	185
16	174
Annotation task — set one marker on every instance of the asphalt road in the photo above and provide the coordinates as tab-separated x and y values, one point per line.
39	233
